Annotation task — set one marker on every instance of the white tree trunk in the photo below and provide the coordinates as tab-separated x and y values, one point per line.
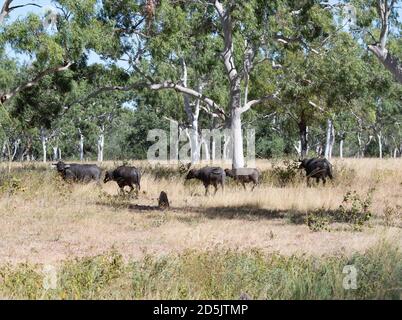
44	150
16	146
43	139
213	150
81	145
55	154
207	153
192	117
101	144
341	148
237	139
329	139
379	138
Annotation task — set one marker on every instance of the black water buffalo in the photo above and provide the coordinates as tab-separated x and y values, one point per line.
208	176
78	172
124	176
244	175
316	168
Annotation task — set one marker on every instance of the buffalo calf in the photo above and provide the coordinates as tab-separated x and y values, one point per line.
244	175
208	176
124	176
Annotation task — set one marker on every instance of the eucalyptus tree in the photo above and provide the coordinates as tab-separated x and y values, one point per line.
241	34
51	48
378	23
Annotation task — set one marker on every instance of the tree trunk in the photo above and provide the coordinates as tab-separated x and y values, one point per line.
330	139
360	153
81	146
15	149
43	139
101	144
236	125
192	118
303	132
3	150
341	148
206	144
391	63
213	150
227	146
55	154
29	149
379	138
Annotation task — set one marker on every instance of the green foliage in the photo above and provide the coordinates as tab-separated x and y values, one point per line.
355	209
286	173
318	221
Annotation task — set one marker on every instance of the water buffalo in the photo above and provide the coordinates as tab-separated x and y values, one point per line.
316	168
244	175
208	176
124	176
78	172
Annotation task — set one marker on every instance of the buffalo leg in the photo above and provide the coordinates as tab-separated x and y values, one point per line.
206	189
216	187
323	181
244	185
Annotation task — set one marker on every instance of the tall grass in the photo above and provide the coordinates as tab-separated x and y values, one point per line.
213	274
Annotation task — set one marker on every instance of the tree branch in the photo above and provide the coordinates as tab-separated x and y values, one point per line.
6	9
252	103
391	63
33	82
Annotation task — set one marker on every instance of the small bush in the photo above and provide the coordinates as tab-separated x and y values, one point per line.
355	209
286	173
318	221
392	215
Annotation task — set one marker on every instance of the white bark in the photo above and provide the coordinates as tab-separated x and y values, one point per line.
101	143
81	145
330	138
390	62
55	154
43	139
379	138
15	149
192	117
341	148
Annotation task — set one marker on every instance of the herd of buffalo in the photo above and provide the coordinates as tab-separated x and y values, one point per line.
316	168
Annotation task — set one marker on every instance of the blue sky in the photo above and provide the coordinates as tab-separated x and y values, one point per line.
93	58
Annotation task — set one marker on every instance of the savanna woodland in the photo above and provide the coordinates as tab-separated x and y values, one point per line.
86	81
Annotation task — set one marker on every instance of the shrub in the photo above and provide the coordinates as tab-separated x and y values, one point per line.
355	209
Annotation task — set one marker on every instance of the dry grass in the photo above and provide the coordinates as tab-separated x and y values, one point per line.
46	221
